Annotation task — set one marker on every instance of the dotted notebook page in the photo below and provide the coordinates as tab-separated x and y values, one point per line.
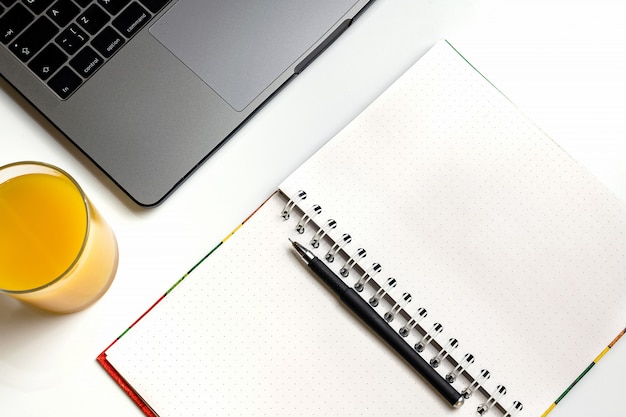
492	228
251	332
509	243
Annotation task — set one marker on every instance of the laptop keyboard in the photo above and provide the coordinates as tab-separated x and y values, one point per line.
64	42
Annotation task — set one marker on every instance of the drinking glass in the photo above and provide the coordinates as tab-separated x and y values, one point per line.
56	251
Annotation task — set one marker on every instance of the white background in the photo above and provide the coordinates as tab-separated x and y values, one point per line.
562	63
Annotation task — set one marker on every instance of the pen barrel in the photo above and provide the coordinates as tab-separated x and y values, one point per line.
325	274
352	300
376	323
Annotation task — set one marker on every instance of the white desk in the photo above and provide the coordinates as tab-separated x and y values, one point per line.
561	62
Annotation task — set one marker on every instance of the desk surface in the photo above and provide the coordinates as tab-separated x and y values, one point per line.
561	62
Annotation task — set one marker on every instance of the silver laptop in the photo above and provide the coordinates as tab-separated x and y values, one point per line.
149	89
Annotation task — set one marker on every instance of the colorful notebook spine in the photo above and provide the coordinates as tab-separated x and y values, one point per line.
583	373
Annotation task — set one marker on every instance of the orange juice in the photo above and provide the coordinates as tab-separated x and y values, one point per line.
56	252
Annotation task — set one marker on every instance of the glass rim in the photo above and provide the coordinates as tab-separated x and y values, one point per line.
87	222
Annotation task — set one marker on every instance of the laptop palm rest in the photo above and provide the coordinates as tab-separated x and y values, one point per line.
240	47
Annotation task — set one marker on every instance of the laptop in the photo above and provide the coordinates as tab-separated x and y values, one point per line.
150	89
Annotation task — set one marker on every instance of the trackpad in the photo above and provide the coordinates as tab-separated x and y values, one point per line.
239	47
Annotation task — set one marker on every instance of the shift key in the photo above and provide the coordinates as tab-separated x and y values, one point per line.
34	38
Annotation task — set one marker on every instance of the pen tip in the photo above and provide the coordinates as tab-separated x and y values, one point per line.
298	247
302	251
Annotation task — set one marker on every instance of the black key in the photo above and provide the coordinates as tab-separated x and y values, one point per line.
1	9
62	12
84	3
65	82
86	62
113	6
93	19
8	3
33	38
107	42
72	39
50	59
13	22
154	5
38	6
133	18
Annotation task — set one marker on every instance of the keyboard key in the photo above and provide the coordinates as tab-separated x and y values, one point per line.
133	18
33	38
13	22
154	5
38	6
64	82
108	42
86	62
84	35
72	39
50	59
93	19
62	12
113	6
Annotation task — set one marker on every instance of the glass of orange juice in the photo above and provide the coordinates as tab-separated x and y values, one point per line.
56	252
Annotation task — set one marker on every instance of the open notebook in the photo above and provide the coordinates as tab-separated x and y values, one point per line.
509	244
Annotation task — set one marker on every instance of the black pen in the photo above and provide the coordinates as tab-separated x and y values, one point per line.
362	309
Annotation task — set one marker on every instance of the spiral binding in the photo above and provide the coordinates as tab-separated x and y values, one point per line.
358	255
367	275
286	213
321	232
382	291
304	220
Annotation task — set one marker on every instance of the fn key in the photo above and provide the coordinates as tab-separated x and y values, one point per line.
64	82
